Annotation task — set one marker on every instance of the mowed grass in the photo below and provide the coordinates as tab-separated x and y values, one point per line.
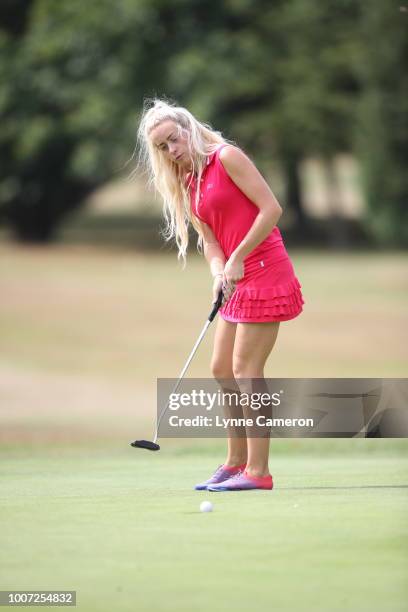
124	530
135	316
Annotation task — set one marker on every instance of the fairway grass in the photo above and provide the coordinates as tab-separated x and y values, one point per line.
131	316
123	528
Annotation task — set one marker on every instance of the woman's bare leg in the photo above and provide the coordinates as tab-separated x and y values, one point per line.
221	367
253	344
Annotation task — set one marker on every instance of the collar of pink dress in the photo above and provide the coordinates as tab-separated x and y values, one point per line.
209	160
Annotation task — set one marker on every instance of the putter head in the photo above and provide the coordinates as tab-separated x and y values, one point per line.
145	444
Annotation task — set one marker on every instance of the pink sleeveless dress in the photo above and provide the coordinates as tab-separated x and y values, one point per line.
269	290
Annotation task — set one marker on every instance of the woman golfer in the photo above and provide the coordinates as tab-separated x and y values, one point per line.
205	180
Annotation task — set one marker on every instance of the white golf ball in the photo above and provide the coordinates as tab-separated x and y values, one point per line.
206	506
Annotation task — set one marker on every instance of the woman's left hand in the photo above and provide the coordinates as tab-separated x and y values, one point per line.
233	272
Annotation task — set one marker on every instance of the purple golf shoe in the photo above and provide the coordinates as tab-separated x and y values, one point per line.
222	473
242	481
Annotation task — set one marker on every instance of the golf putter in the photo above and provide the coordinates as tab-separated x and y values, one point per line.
153	446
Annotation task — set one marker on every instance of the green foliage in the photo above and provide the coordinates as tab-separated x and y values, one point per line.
284	79
382	135
64	107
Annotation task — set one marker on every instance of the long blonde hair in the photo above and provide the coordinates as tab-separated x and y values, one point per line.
167	177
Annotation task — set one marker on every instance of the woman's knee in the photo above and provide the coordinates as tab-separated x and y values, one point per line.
246	368
221	370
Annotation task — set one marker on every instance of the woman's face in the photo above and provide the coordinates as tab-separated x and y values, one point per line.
174	147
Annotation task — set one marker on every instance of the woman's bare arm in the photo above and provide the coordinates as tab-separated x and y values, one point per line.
212	250
245	175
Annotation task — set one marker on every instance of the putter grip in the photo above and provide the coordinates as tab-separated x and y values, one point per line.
217	306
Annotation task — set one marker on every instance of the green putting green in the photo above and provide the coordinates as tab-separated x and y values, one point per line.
123	528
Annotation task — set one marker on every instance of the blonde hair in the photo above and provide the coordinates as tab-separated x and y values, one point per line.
167	177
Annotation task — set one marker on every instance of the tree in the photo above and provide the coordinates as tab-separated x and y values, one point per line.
381	137
66	107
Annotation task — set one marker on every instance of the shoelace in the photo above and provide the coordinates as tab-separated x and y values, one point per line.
218	470
236	476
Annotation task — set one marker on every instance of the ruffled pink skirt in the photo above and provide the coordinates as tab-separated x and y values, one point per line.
269	290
